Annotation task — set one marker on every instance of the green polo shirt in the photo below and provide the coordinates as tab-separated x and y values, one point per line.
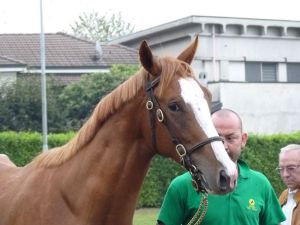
253	202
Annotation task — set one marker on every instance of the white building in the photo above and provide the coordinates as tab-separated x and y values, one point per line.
251	65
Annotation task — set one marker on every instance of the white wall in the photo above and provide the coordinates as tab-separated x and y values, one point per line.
237	71
253	48
265	108
282	72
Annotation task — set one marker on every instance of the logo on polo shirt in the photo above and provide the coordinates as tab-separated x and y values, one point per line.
251	205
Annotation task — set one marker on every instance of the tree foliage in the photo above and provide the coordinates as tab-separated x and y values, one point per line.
68	107
80	98
21	104
96	27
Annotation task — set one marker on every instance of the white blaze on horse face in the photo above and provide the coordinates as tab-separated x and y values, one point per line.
194	96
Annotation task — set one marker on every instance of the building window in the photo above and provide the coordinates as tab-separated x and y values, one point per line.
293	72
261	72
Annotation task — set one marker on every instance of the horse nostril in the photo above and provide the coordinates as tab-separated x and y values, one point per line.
224	181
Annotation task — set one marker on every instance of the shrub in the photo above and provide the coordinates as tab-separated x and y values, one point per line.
22	147
80	98
260	154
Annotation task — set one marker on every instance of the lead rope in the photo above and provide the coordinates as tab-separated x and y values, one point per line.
204	202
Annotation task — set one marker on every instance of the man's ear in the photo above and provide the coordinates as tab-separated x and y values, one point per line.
244	139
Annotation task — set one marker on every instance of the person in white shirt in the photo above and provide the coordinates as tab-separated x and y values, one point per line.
289	170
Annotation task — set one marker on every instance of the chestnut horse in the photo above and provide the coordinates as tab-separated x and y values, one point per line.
95	178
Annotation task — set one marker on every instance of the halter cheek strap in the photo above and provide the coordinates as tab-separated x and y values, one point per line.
185	154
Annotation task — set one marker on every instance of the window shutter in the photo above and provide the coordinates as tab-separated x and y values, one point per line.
269	72
293	72
252	72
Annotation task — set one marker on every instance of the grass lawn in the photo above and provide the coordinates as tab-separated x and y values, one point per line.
145	216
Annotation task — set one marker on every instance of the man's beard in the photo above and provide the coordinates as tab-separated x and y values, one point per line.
234	156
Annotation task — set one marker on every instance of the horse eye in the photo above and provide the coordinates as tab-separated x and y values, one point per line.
173	106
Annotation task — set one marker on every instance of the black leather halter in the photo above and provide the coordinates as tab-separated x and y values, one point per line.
185	154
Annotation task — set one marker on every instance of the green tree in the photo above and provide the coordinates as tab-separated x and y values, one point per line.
67	107
95	27
20	108
80	98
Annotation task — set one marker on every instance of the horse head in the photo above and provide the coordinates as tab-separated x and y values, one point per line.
180	121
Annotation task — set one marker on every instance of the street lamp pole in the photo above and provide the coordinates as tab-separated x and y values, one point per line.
43	82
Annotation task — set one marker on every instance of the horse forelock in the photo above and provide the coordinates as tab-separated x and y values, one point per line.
108	106
170	67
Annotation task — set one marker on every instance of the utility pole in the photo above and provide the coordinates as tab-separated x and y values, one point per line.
43	82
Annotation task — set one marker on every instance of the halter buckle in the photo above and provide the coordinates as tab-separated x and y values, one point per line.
149	105
160	115
180	149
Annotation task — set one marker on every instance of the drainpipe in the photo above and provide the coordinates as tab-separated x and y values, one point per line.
213	52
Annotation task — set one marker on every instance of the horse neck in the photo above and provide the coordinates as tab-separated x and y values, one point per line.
112	169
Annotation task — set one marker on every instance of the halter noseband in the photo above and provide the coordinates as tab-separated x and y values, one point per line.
185	154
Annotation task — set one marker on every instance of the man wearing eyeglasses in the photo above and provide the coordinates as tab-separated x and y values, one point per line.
289	170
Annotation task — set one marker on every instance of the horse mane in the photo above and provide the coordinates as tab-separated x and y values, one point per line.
108	106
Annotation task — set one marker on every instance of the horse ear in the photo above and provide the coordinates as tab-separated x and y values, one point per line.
188	54
149	62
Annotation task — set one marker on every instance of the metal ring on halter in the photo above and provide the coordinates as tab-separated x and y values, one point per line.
160	115
195	184
193	169
180	149
149	105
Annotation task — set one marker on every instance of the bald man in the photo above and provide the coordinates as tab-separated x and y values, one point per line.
253	202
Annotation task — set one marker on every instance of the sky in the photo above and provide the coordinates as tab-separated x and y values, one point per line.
23	16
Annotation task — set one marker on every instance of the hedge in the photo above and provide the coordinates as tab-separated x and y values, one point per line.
21	147
261	154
